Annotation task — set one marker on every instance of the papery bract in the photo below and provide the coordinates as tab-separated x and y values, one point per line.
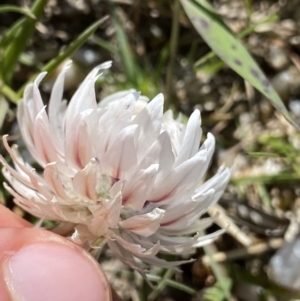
120	170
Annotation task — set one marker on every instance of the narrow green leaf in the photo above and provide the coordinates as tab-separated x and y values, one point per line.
264	195
161	285
272	179
216	292
8	92
162	61
129	66
16	9
10	32
173	51
73	46
102	43
228	47
263	155
222	288
18	44
211	58
54	63
173	283
3	109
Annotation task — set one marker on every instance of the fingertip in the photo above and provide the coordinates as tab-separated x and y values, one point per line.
51	269
11	220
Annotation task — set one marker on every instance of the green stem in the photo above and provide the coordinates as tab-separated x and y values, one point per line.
173	283
161	285
248	4
217	270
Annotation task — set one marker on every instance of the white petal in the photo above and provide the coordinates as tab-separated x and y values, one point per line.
84	97
56	105
36	95
186	211
136	249
209	146
79	150
166	264
116	118
85	181
191	140
197	226
34	178
29	204
144	224
149	124
120	158
51	175
207	239
9	172
161	153
26	124
181	179
175	129
125	256
114	97
137	189
105	216
43	142
217	182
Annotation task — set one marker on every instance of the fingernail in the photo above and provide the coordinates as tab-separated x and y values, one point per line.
53	271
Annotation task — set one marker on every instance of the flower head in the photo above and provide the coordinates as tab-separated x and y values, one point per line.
120	170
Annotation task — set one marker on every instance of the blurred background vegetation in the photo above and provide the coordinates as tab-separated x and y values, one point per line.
156	48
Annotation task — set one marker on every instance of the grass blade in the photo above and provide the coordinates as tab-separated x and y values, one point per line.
211	57
173	283
4	107
229	48
129	65
69	50
173	48
16	9
10	33
8	92
103	44
161	285
266	179
73	46
18	44
222	288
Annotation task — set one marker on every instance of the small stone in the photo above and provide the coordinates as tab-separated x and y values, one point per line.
286	83
294	106
278	57
284	265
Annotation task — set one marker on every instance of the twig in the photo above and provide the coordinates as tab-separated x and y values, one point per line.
223	220
255	249
296	60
